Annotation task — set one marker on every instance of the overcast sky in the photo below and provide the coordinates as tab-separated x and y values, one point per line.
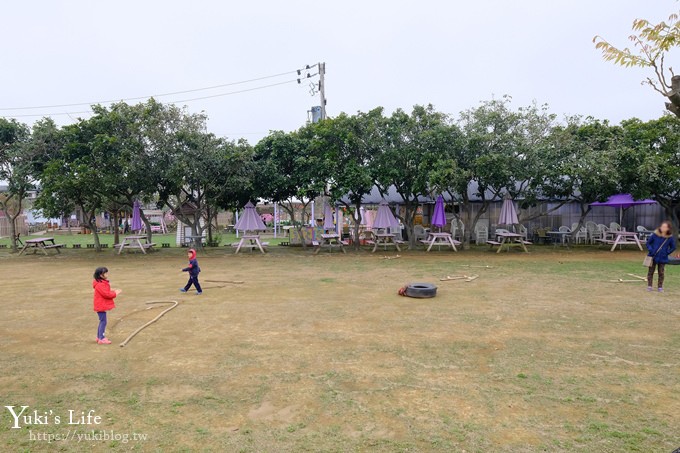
394	53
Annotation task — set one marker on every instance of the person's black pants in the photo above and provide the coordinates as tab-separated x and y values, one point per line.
193	280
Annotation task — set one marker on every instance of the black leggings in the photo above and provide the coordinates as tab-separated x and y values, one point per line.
650	274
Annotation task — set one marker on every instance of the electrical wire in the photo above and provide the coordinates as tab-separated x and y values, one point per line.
297	71
165	103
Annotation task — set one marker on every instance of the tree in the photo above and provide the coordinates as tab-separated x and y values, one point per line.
405	159
78	175
16	169
651	44
584	169
350	144
290	170
233	179
650	165
501	155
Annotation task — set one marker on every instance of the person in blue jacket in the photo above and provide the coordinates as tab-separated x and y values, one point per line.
193	269
660	244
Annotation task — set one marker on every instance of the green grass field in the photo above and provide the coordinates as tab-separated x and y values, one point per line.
84	239
542	352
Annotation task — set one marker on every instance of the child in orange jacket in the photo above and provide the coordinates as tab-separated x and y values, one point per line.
103	300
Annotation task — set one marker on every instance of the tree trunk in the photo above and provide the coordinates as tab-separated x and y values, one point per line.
357	217
93	228
116	235
208	214
585	210
409	222
290	209
11	219
12	231
472	221
147	225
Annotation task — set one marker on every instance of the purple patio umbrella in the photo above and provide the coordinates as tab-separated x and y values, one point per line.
384	218
328	218
622	201
508	213
250	220
136	223
439	216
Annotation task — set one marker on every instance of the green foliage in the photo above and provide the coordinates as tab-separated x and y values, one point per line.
651	44
650	165
15	168
406	158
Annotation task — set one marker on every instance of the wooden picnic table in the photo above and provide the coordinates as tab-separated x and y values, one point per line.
135	242
42	244
386	240
329	240
508	240
622	238
440	239
250	241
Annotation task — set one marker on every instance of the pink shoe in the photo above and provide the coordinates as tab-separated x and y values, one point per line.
104	341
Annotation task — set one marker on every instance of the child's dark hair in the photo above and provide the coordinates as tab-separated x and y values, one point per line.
99	272
670	226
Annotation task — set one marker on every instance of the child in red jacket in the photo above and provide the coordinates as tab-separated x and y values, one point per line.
103	300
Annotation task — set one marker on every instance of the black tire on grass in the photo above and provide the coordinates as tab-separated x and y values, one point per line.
421	290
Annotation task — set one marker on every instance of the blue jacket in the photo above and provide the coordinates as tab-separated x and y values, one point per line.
655	241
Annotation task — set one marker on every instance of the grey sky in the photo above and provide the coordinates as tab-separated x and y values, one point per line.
378	53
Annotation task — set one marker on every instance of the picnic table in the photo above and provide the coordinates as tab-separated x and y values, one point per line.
329	240
135	242
507	240
386	240
42	244
250	241
561	237
440	239
622	238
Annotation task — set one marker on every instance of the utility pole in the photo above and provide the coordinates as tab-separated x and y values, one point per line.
322	89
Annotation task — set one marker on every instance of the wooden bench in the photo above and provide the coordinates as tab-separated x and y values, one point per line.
55	246
149	245
527	243
493	242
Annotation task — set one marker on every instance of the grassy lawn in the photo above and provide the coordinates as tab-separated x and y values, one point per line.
317	353
84	239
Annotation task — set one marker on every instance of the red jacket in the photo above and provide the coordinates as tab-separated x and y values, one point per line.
103	296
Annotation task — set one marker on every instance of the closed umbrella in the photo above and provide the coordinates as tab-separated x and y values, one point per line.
136	223
328	218
508	213
250	220
369	217
439	216
384	218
